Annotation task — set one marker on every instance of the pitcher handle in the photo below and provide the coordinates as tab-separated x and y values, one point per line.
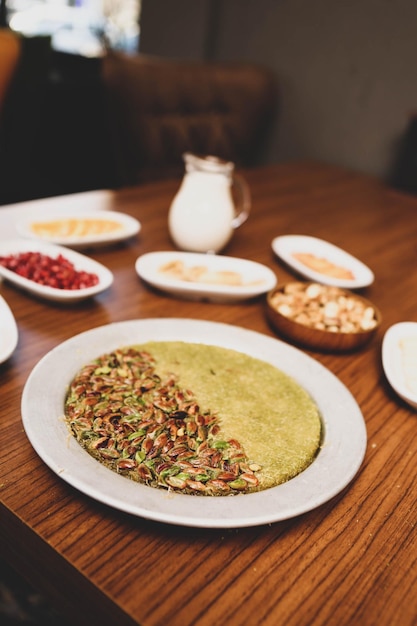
244	205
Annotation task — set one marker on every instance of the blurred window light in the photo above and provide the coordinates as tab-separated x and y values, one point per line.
82	27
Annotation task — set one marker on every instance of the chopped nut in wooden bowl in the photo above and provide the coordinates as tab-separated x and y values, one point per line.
322	317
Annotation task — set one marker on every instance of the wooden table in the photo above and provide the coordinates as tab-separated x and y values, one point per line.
350	561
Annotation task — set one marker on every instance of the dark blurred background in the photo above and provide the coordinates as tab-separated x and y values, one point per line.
345	73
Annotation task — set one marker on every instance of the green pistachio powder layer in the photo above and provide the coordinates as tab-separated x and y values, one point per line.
273	417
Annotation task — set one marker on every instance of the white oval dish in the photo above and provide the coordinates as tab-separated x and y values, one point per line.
286	246
80	262
129	226
256	278
8	331
340	457
394	363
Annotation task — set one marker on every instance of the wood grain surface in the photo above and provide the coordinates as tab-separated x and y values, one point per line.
350	561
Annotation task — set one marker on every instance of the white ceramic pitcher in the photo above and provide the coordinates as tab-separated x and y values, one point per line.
203	213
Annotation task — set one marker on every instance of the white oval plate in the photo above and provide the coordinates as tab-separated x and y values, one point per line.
392	359
80	261
129	227
8	331
342	452
287	245
256	278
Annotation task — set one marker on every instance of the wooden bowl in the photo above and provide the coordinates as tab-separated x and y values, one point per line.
322	317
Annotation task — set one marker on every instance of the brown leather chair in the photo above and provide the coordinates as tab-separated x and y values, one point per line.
157	109
9	58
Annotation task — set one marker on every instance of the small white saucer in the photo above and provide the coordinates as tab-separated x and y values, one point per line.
393	359
255	278
287	246
80	262
84	236
8	331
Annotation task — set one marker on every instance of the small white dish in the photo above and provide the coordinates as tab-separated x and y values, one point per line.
287	246
394	356
82	234
8	331
80	262
254	278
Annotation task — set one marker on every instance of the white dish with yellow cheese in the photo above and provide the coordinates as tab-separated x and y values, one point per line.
211	277
322	262
80	229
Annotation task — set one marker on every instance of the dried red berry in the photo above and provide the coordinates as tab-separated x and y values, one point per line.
59	273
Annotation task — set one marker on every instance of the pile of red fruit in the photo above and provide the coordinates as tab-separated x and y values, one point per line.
45	270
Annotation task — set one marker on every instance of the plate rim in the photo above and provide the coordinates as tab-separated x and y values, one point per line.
42	421
206	290
368	276
14	246
390	360
6	314
132	226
